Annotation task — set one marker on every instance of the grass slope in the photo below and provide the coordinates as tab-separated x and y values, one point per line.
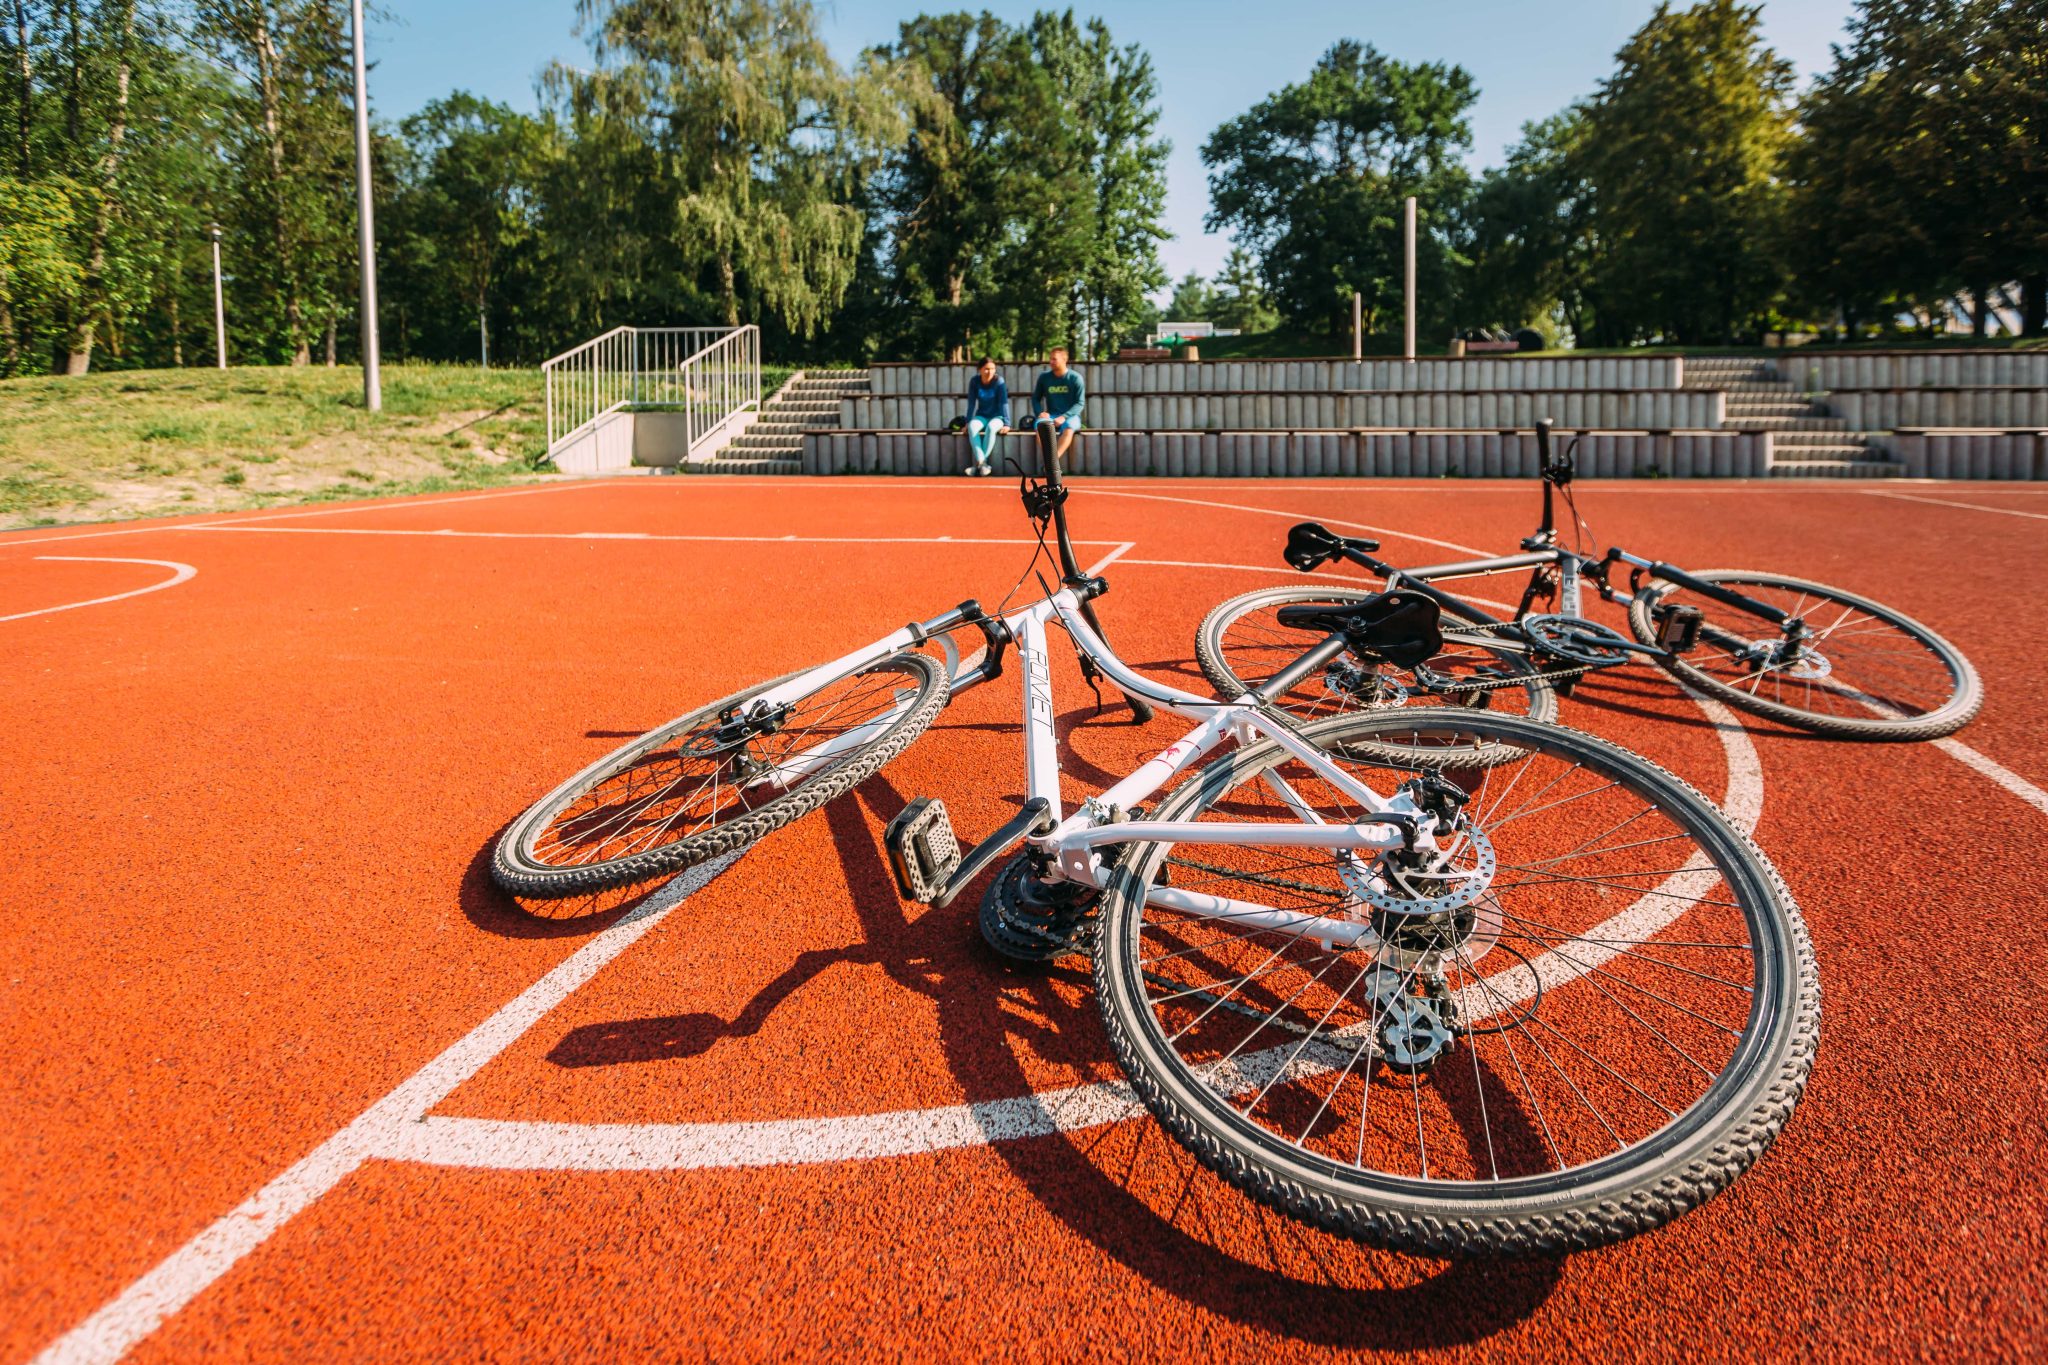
138	443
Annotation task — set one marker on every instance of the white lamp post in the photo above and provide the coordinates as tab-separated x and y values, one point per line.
220	317
366	228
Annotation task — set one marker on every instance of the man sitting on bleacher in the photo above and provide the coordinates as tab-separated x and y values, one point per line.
1057	399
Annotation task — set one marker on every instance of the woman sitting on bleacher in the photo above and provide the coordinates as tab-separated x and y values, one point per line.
988	414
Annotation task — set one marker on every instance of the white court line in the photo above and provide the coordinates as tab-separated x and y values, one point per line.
447	534
1997	772
181	573
1960	506
182	1276
235	518
1280	512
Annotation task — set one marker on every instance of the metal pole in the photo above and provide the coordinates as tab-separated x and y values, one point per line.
1357	326
1408	244
483	336
220	323
366	226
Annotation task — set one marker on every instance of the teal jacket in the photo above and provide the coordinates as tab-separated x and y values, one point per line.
1059	394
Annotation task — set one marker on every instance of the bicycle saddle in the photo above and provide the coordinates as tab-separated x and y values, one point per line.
1311	544
1404	628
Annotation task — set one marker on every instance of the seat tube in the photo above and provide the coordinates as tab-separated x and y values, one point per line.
1568	585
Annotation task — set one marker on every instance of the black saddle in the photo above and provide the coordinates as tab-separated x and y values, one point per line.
1403	628
1311	545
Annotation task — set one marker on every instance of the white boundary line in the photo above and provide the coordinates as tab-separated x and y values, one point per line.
1959	506
1997	772
181	573
618	535
238	519
182	1276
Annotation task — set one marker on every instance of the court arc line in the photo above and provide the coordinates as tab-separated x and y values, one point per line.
527	1145
180	573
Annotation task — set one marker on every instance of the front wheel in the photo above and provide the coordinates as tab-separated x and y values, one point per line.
1590	1011
1860	670
717	779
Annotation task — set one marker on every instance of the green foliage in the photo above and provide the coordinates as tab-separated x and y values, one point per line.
1682	146
754	136
1240	297
1022	211
1312	179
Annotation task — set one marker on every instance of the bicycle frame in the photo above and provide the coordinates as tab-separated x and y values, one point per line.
1541	552
1072	842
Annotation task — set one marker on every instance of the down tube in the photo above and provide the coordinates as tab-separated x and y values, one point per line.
1041	739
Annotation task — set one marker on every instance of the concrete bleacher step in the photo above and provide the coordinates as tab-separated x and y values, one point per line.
720	464
1836	469
1735	423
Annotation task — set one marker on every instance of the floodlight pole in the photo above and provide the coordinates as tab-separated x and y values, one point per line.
1408	243
1357	326
366	226
220	316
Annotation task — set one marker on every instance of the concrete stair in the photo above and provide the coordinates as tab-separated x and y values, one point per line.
774	442
1807	441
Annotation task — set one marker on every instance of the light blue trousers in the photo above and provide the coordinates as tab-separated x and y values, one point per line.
981	436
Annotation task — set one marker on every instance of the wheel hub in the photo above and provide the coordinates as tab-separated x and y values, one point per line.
1368	687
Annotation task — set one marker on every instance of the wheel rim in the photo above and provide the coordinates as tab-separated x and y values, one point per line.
692	778
1860	664
1253	646
1615	988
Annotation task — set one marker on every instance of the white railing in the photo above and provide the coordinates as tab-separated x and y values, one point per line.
711	375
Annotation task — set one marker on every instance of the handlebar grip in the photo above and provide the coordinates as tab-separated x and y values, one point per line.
1543	439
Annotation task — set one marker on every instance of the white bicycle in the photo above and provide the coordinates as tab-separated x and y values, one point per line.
1445	980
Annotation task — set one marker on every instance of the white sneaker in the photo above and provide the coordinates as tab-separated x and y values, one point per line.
971	470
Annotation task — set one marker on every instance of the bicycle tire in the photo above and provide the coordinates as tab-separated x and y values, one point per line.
1966	691
517	868
1704	1149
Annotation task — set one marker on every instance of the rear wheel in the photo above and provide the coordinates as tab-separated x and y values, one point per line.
717	779
1861	670
1589	1014
1242	643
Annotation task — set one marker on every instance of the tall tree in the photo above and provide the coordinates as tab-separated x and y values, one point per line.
1530	235
760	139
941	195
1312	179
1683	146
469	197
1192	299
1240	296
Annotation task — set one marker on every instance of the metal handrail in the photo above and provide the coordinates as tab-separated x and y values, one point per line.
711	374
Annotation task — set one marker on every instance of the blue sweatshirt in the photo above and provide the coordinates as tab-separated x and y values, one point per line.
1059	394
988	400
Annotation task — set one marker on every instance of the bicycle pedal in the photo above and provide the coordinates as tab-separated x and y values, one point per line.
922	850
1678	627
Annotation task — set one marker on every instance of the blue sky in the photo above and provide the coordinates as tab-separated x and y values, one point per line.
1215	59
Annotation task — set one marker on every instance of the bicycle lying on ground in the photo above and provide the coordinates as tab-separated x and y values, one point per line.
1804	654
1444	980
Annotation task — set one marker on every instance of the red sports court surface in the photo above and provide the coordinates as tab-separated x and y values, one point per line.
287	1079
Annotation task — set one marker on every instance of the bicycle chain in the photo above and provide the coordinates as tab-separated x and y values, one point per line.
1444	683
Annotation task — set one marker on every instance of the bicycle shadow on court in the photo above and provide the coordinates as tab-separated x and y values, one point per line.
1125	1187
